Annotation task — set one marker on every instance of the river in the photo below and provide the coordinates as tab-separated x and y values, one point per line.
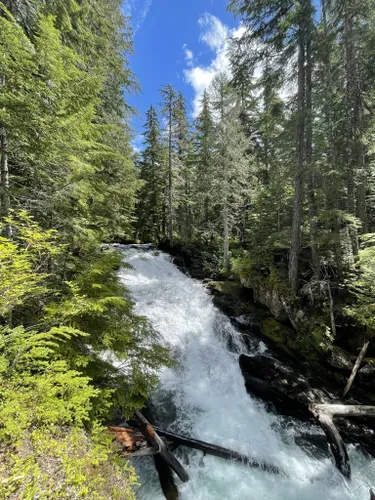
204	397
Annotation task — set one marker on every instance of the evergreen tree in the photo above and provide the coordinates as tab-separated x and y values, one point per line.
185	169
230	165
203	154
152	200
169	111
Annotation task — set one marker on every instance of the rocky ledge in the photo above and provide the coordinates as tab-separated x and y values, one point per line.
287	380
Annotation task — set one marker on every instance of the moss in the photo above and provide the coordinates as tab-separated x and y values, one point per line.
369	360
273	330
225	287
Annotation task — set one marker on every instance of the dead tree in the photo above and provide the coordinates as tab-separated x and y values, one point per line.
356	367
135	444
324	415
218	451
166	478
156	442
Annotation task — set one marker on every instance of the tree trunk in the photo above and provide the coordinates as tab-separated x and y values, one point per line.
166	478
336	444
4	175
135	444
154	440
300	158
226	236
309	145
331	309
356	175
356	367
218	451
324	415
170	177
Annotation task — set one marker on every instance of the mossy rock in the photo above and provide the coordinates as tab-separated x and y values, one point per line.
225	287
274	330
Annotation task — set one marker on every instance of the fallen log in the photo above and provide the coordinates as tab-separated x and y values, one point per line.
356	367
133	442
125	435
166	478
324	415
141	423
218	451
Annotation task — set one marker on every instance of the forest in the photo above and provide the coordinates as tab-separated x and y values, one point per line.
273	182
271	186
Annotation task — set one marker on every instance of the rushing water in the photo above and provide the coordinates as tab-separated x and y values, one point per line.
204	397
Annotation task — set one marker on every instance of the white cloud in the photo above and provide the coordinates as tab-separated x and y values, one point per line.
189	55
215	35
214	32
137	10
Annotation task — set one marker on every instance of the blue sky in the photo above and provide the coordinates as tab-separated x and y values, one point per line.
181	42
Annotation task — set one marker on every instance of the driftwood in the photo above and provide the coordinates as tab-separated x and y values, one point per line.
166	478
133	442
324	415
140	447
356	367
156	442
217	451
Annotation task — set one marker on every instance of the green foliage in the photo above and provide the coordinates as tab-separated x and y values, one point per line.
50	401
66	463
316	340
362	287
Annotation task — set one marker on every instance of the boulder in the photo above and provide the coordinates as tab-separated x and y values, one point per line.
341	359
269	297
290	390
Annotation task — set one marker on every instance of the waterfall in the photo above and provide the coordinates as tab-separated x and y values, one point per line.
204	397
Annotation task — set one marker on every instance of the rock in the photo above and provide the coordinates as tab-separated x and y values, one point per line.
367	371
248	322
269	297
291	390
339	358
286	379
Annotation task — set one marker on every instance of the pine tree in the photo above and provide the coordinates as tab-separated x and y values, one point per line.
185	169
152	172
230	173
169	99
203	153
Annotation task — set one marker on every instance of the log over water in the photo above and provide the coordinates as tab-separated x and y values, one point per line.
218	451
140	447
324	415
156	442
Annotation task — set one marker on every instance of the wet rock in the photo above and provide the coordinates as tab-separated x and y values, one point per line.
290	390
284	378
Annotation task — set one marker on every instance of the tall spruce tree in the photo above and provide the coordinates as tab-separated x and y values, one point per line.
169	101
230	163
152	196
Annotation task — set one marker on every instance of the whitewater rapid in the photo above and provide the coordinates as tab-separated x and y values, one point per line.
204	397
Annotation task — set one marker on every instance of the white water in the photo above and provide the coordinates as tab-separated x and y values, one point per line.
204	397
